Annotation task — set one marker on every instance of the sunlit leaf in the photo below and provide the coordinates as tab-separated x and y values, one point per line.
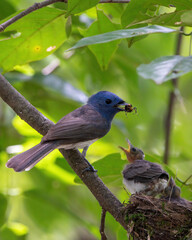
121	34
103	52
18	228
23	128
13	231
166	68
76	6
38	35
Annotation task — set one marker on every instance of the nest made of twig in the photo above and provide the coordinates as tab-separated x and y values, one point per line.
155	219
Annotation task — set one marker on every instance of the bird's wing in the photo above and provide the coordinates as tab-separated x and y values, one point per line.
83	124
143	171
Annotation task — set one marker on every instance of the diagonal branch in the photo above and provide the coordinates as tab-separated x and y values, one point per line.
45	3
40	123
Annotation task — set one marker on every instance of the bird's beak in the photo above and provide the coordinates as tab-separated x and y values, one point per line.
121	106
126	107
126	151
129	145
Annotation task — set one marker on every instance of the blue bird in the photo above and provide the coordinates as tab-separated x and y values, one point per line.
77	129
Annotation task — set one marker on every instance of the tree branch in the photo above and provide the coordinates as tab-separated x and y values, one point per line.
45	3
33	8
102	225
172	97
40	123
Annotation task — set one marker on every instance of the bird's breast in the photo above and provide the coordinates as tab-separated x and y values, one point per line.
134	187
152	188
78	145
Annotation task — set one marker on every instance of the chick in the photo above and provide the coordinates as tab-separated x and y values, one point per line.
142	176
172	193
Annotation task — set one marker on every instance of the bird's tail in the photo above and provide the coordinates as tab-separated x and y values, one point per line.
28	159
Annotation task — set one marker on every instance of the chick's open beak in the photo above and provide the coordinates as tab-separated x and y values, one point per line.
126	151
129	145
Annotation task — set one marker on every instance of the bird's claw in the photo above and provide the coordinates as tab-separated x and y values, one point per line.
89	169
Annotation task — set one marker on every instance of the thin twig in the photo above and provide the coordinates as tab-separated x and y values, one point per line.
75	159
45	3
33	8
172	97
185	182
102	225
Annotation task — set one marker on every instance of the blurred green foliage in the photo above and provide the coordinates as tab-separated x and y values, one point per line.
49	202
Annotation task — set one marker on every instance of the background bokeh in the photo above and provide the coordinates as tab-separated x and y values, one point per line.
49	202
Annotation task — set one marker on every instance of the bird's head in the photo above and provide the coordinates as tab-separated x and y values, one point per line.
107	103
176	192
133	153
172	190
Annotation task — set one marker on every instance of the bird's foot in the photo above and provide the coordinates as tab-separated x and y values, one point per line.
90	168
85	151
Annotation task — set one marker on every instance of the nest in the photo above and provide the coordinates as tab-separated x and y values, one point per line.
155	219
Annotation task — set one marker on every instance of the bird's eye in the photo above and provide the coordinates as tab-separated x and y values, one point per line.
133	149
108	101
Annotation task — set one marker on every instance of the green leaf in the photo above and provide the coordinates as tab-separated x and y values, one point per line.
186	18
50	209
3	208
109	169
111	164
121	234
38	35
165	68
6	9
120	34
138	12
177	18
14	231
77	6
68	26
104	52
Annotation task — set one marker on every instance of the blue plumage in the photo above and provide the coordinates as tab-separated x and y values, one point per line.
107	104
